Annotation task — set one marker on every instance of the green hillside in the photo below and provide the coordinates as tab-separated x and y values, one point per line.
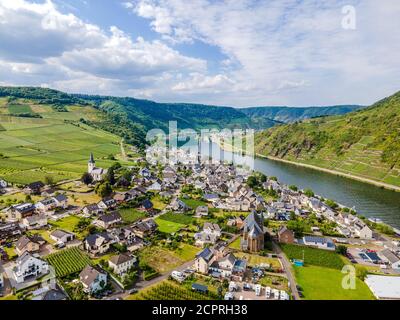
36	141
364	143
293	114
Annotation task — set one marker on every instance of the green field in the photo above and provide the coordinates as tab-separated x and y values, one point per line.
168	290
193	203
316	257
326	284
168	226
68	261
131	215
56	145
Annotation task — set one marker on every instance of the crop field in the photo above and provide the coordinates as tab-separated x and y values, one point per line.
168	290
315	257
33	148
326	284
68	261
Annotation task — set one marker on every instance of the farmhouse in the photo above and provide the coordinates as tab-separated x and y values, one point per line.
122	263
97	174
93	280
28	266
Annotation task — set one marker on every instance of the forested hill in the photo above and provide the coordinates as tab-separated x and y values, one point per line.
293	114
364	143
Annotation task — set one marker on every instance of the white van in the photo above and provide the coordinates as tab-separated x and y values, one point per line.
258	290
268	292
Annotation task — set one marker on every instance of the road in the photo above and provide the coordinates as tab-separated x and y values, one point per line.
287	266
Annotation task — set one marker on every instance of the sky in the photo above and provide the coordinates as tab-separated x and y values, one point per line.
237	53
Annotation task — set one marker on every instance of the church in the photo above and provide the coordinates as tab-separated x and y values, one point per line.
97	174
253	233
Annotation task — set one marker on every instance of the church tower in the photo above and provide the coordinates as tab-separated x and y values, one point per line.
91	163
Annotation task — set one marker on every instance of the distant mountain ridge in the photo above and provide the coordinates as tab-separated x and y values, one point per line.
291	114
364	143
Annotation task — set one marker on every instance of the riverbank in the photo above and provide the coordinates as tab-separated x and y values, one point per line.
334	172
379	184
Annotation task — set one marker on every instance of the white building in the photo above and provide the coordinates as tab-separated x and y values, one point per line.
122	263
92	279
27	266
384	287
96	173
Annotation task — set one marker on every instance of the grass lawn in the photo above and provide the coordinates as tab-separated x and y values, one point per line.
187	252
44	234
67	224
164	260
131	215
157	203
10	252
326	284
168	226
254	260
193	203
275	282
235	244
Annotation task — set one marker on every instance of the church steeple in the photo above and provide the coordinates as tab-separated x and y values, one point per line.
91	163
91	159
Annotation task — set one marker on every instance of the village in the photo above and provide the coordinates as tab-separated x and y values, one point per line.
192	227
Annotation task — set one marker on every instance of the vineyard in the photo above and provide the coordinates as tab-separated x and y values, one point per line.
68	261
316	257
169	291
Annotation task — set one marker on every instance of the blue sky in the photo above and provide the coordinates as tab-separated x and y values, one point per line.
238	53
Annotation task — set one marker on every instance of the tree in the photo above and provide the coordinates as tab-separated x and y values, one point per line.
111	176
252	182
103	189
341	249
28	198
309	193
87	178
263	178
48	180
293	187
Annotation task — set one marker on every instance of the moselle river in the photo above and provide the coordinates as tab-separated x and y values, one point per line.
368	200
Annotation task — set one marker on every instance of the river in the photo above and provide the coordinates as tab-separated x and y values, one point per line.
368	200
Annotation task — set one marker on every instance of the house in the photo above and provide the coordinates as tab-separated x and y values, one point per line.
145	228
145	173
46	205
97	174
122	263
20	211
285	235
61	201
61	236
222	268
318	242
363	231
210	234
34	188
390	258
9	231
203	260
201	211
107	203
239	270
29	244
211	197
146	205
48	294
3	184
169	175
37	221
107	221
124	236
93	280
28	266
178	205
156	186
92	209
253	233
98	243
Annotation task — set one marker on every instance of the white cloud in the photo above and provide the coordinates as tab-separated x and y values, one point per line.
290	44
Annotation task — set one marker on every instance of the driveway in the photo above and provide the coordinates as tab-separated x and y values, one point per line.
287	266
